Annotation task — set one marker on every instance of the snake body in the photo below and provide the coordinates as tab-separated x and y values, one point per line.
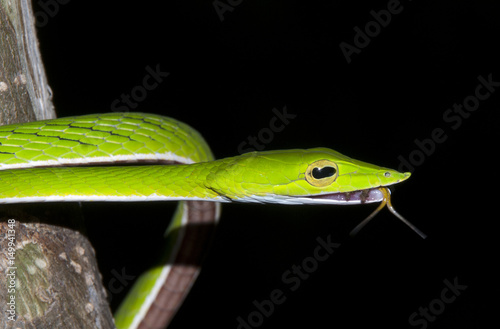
61	160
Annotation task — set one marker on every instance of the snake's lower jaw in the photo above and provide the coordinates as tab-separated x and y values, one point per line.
357	197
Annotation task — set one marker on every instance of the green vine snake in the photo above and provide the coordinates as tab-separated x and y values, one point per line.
62	160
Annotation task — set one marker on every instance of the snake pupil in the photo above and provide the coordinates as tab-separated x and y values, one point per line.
319	173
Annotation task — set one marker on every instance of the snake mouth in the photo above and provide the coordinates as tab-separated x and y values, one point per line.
356	197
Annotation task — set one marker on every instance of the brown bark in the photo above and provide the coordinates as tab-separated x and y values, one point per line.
48	271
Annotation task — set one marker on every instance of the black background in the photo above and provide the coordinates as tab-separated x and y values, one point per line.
225	79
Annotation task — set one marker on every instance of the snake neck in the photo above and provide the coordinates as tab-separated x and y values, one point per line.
191	181
219	180
122	183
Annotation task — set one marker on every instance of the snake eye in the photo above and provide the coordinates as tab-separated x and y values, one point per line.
321	173
325	172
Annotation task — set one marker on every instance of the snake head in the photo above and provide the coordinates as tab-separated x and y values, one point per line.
311	176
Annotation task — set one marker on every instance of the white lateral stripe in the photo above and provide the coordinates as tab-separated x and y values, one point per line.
151	297
99	160
92	198
277	199
162	278
299	200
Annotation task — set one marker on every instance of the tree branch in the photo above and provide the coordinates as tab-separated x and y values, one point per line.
49	274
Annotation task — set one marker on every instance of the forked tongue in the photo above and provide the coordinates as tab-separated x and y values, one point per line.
386	201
